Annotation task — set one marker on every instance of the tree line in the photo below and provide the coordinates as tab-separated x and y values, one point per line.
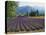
34	13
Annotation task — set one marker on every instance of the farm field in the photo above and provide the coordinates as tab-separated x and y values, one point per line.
39	17
24	17
25	24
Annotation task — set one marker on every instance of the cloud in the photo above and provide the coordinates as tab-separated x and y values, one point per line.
30	4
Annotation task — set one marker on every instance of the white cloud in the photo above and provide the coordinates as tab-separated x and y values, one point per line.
31	4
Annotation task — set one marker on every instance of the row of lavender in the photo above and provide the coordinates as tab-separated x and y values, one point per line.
25	24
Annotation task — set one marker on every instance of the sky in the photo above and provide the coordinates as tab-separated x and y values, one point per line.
30	4
39	6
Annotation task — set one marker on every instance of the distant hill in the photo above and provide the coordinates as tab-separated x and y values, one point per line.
23	9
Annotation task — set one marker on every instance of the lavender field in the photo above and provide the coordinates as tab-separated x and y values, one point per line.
25	24
24	17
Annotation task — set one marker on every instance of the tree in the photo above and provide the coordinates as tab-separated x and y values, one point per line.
32	13
37	13
26	14
11	8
